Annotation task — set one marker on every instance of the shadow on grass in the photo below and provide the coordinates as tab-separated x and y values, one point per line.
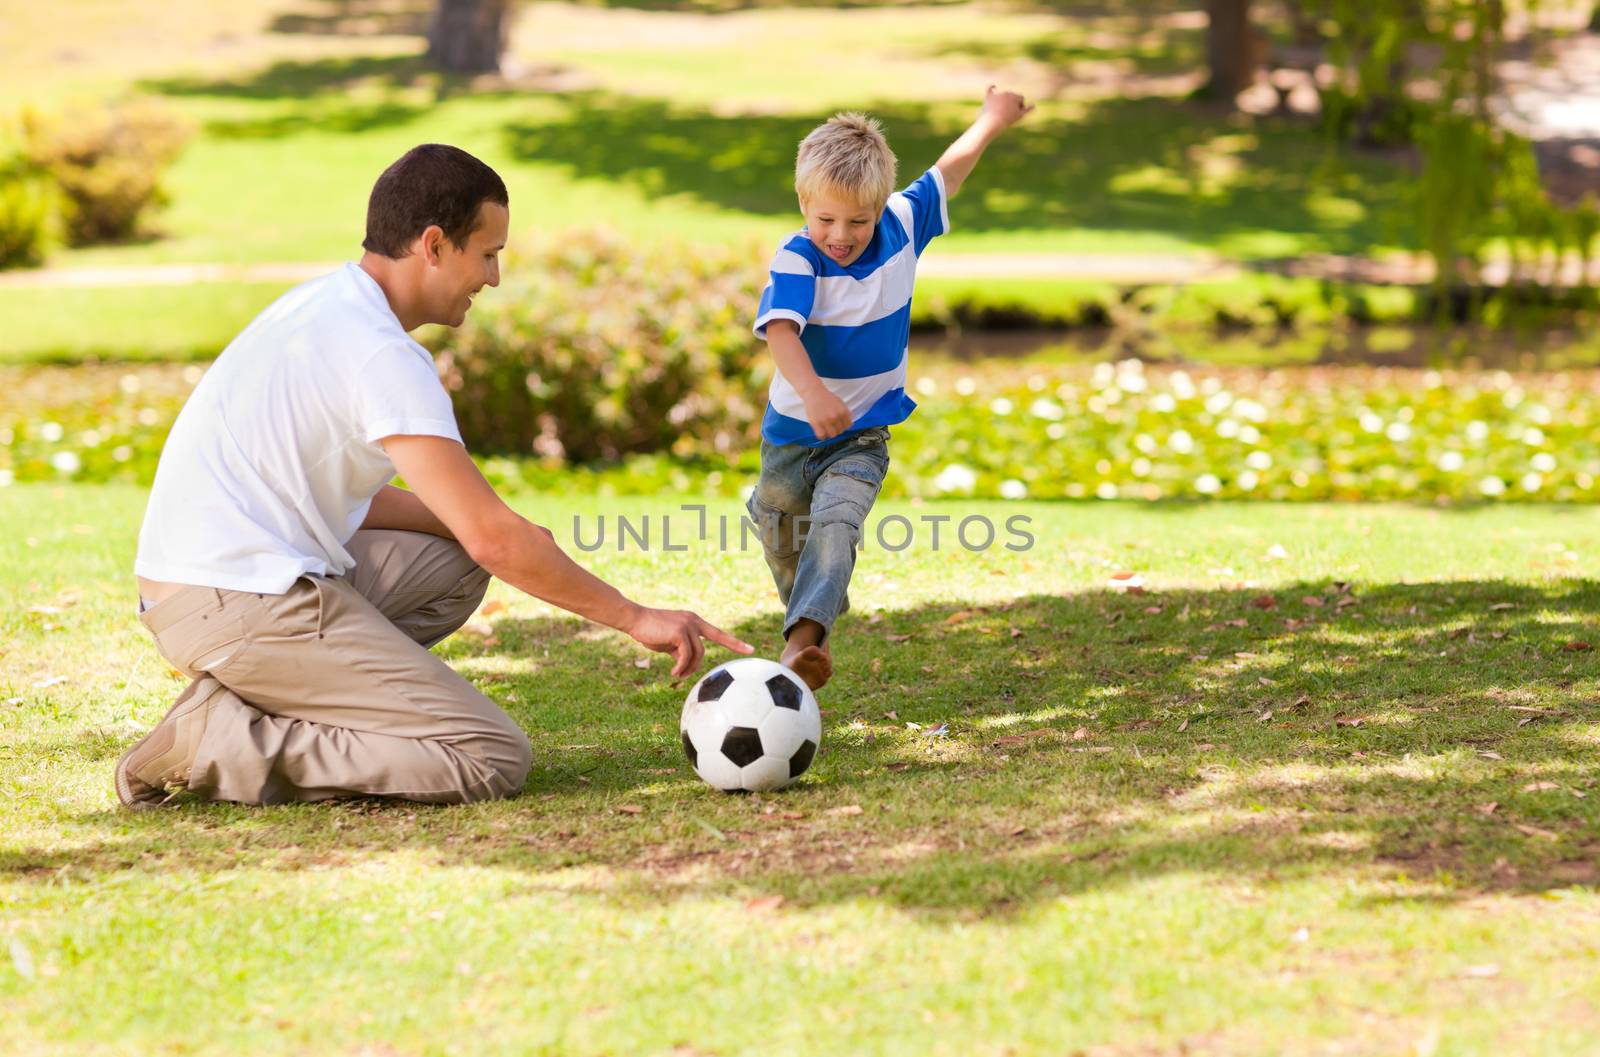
1126	165
1093	740
355	18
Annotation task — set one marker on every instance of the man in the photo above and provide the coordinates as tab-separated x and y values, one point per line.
298	589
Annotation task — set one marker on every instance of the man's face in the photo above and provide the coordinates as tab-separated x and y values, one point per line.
461	273
841	229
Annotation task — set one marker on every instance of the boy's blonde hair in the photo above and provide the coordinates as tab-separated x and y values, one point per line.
847	157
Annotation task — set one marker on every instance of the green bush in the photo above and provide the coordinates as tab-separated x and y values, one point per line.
107	162
592	350
27	209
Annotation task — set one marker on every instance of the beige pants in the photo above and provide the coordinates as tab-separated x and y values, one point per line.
329	689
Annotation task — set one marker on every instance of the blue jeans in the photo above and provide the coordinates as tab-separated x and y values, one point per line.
810	505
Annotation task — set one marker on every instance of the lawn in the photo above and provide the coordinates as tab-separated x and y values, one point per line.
1327	785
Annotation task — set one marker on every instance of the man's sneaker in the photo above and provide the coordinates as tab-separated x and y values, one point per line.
164	756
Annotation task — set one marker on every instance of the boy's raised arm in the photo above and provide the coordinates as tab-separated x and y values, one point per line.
1000	111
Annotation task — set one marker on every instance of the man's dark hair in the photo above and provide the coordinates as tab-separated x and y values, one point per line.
430	184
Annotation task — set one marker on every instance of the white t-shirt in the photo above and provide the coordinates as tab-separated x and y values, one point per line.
273	461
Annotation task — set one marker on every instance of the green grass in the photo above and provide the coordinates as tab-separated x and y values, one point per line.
1173	822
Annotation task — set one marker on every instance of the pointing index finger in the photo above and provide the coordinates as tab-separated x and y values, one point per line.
717	635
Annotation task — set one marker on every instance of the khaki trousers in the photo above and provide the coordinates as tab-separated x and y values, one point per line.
329	690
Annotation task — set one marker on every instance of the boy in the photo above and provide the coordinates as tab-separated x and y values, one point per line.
836	314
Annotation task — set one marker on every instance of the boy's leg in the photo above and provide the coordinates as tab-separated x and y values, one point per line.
846	484
778	507
316	694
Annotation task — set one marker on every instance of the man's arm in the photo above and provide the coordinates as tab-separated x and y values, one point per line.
1000	111
396	508
827	414
445	480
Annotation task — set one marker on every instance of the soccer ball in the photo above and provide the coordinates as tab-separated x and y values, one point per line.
750	724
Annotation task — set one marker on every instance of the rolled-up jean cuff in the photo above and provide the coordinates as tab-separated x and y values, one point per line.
825	619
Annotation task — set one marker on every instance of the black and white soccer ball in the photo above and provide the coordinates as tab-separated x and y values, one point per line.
750	724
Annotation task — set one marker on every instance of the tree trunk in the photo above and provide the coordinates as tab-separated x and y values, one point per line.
467	36
1231	50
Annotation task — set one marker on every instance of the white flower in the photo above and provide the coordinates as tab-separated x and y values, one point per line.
1258	460
1398	431
955	478
1146	443
1182	385
66	462
148	416
1531	482
1047	409
1218	402
1163	403
192	374
1011	488
927	386
1056	430
1540	414
1001	406
1492	486
122	453
6	478
1544	462
1451	461
89	438
1181	442
1207	484
1141	466
1249	435
130	383
965	386
51	432
1533	436
1227	428
1250	411
1477	431
1105	490
1371	422
1248	480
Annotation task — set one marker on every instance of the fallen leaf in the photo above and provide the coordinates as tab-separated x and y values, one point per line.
630	809
937	732
1481	972
1124	576
891	715
1347	600
1265	717
1018	831
1183	726
897	767
1081	734
1152	610
958	616
1577	647
1535	831
1498	606
1488	809
1264	602
1489	754
491	608
642	662
899	638
1009	739
1579	793
1311	600
848	809
761	903
1277	551
1539	787
1303	699
1205	745
1264	681
1349	721
53	680
1016	633
791	815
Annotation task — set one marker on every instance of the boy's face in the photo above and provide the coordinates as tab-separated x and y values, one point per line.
840	228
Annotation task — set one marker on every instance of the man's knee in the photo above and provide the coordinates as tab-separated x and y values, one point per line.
507	757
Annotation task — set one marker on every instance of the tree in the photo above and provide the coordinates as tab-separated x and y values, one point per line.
468	36
1233	49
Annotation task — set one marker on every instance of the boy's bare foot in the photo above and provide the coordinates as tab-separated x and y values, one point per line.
811	664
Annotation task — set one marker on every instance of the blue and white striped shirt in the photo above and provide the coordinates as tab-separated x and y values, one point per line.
855	319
